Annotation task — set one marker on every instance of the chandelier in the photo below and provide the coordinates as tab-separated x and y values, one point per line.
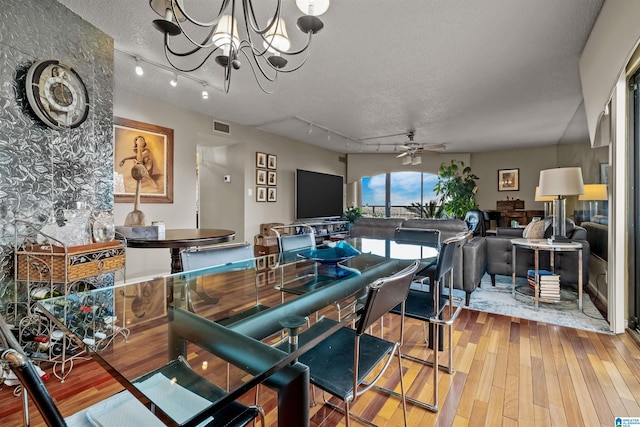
265	44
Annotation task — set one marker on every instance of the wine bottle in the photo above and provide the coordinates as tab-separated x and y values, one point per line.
40	293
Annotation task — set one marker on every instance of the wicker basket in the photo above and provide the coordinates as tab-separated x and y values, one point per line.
50	263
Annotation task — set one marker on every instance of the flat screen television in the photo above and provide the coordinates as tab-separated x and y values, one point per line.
318	195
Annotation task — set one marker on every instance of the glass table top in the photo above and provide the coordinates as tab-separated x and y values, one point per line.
209	317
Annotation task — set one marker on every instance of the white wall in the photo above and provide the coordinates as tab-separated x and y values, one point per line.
224	206
530	161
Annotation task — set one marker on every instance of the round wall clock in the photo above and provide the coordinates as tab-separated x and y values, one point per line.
57	94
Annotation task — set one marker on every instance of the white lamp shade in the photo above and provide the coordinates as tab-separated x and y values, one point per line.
594	192
221	37
277	37
162	6
313	7
561	182
539	198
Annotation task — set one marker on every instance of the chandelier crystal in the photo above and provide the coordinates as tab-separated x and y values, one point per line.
257	34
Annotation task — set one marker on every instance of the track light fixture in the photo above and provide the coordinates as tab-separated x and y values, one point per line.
174	81
264	43
205	94
139	70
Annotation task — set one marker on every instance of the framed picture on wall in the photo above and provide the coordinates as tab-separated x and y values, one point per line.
261	177
261	194
272	178
272	161
149	145
261	160
508	179
271	194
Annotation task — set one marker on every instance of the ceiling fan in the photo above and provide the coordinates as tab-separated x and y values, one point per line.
413	148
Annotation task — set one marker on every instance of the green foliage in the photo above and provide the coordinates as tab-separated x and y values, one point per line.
433	209
457	188
352	213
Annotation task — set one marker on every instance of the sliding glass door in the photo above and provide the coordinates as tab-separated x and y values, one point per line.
635	289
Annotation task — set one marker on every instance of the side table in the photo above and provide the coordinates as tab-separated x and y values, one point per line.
538	245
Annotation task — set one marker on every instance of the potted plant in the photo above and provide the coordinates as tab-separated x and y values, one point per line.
352	213
457	188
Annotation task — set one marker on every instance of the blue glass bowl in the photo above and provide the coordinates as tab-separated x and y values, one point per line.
330	254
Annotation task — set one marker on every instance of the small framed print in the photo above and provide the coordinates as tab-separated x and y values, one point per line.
272	178
272	260
261	278
508	179
261	177
271	196
271	276
261	160
261	194
272	161
261	263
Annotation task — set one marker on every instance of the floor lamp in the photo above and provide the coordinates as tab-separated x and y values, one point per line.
594	193
560	182
548	202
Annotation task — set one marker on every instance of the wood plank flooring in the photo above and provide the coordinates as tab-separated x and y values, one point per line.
509	372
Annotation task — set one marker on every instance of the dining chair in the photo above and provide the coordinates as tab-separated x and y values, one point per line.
219	258
429	307
199	258
422	236
305	237
123	408
288	244
341	363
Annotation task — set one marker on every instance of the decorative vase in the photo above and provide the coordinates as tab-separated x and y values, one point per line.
104	229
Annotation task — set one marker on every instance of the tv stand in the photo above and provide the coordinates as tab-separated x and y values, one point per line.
326	229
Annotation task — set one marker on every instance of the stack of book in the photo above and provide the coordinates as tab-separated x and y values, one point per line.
549	284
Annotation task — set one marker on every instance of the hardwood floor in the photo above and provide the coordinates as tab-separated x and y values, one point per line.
509	372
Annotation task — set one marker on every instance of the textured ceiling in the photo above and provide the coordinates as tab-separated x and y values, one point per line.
475	75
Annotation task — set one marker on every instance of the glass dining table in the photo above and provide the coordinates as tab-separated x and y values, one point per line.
224	321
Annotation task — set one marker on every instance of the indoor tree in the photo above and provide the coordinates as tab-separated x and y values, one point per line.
457	188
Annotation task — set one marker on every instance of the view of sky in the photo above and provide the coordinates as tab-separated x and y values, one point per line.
405	188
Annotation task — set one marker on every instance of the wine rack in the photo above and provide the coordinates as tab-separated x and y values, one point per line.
44	267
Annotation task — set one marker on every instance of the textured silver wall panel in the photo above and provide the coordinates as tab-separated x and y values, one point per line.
41	168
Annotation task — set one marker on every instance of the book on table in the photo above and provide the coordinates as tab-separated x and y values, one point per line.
548	284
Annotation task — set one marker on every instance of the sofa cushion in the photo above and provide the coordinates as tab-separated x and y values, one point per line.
548	227
535	230
382	228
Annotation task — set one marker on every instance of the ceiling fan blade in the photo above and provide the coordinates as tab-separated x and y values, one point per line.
402	154
434	147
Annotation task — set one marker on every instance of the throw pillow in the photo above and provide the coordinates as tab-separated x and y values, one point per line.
569	226
535	230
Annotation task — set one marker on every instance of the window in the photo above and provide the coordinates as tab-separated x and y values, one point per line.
399	194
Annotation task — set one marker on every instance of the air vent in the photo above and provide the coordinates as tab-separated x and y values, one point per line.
221	127
342	159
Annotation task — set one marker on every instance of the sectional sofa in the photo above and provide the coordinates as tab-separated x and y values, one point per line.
470	262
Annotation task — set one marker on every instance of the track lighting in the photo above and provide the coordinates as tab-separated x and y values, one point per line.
205	94
174	81
139	70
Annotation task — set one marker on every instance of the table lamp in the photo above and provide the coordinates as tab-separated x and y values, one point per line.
593	193
560	182
548	202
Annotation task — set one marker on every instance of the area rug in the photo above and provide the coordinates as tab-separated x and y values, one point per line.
499	300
